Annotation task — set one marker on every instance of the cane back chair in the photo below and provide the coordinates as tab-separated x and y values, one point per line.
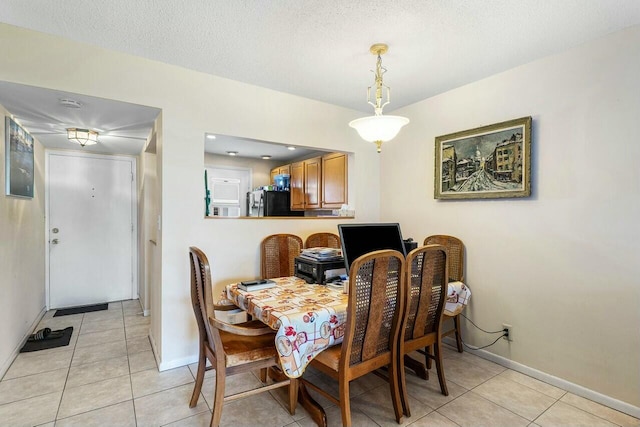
323	240
277	254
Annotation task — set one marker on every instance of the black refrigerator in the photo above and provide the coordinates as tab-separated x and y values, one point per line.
277	203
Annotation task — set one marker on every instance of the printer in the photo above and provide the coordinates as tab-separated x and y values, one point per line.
318	271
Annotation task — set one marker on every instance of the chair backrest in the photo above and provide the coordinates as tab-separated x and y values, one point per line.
277	254
376	302
455	254
202	298
323	240
427	278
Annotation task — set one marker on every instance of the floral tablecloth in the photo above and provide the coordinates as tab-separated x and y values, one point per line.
308	318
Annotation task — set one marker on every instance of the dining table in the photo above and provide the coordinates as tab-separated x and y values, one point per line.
307	318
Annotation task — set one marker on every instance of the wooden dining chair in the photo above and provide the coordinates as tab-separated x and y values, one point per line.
323	240
426	276
372	330
231	349
277	254
455	253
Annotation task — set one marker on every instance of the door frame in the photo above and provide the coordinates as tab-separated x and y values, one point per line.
134	213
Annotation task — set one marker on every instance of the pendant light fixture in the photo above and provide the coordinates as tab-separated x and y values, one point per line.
379	128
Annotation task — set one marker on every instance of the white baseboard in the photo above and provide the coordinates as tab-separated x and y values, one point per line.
7	363
576	389
177	363
146	313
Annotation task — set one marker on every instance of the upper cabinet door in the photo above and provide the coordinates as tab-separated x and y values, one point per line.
334	180
296	184
312	182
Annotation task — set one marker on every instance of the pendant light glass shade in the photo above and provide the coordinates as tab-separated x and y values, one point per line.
82	136
378	128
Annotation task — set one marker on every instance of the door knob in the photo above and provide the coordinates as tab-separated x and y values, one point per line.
55	241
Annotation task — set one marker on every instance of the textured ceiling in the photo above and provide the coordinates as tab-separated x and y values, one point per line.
319	49
315	49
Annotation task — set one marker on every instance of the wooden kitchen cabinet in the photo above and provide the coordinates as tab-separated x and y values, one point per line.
312	182
296	185
285	169
334	181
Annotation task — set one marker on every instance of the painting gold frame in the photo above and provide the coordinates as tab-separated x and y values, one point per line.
488	162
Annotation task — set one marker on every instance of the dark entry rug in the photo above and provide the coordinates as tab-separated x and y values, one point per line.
44	344
81	309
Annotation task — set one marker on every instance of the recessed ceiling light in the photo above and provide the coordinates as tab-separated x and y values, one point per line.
291	147
266	157
232	153
209	136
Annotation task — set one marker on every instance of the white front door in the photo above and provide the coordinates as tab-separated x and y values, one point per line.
91	222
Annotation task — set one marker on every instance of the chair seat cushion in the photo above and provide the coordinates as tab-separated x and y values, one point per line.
330	357
242	349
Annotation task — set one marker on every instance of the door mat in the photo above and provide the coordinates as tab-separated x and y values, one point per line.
44	344
81	309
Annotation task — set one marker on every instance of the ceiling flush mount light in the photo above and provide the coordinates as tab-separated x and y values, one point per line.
232	153
82	136
379	128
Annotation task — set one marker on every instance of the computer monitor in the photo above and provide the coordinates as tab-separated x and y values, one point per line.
359	239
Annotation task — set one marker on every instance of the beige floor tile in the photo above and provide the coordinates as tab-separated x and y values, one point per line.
105	351
51	424
334	419
30	412
93	396
115	305
245	412
32	386
138	344
167	406
94	339
466	374
433	419
561	414
601	411
203	419
141	361
38	362
136	320
533	383
131	308
137	331
377	405
515	397
97	371
234	384
120	414
472	410
152	381
101	325
281	395
487	365
103	315
428	392
207	374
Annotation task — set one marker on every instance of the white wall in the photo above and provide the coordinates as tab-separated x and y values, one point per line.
21	257
561	266
261	169
194	104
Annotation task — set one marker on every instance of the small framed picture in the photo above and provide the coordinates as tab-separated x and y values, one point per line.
19	160
487	162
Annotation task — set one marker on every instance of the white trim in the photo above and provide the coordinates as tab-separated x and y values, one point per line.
576	389
177	363
16	351
134	214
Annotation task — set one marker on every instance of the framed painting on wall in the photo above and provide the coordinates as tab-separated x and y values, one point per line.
487	162
18	160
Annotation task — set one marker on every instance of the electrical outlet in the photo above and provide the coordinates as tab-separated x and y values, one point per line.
509	329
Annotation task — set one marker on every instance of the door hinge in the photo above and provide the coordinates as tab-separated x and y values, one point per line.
131	176
131	227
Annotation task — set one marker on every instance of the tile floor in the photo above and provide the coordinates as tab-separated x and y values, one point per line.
107	376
